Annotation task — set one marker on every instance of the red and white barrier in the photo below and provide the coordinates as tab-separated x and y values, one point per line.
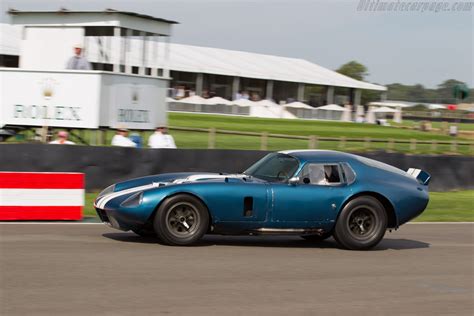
41	196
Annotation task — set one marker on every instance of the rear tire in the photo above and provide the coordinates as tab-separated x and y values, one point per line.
361	224
181	220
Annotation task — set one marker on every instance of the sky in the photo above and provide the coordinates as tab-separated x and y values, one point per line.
405	47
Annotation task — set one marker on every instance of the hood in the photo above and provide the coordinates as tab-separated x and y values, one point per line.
180	178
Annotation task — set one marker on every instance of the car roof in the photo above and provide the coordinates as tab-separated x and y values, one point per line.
319	155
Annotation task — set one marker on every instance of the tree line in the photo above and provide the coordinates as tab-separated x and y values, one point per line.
442	94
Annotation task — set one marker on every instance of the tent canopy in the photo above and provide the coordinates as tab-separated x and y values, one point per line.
298	105
243	102
218	100
266	103
332	107
195	99
385	109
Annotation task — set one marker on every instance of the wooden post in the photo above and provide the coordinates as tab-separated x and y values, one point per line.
342	142
434	146
264	141
412	144
212	138
311	142
367	141
390	146
454	146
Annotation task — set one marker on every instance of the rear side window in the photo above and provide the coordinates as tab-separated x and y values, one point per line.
321	174
348	173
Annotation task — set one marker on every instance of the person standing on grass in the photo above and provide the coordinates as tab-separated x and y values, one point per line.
62	139
161	139
120	139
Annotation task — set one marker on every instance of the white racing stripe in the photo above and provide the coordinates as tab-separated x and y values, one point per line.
110	196
41	197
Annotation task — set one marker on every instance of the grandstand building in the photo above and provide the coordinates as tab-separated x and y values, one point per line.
203	70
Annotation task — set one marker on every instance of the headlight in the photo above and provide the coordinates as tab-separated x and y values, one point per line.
107	190
133	200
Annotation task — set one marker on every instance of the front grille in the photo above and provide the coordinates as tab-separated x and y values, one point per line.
102	215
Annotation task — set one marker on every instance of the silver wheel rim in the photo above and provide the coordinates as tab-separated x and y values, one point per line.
362	222
182	219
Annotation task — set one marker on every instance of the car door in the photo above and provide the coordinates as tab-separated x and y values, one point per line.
315	198
237	201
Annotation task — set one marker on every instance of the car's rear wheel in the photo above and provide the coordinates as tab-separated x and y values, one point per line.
181	220
361	224
317	238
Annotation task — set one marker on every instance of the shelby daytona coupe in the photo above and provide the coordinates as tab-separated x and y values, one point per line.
312	193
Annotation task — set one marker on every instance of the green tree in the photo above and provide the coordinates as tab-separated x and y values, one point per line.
354	70
445	90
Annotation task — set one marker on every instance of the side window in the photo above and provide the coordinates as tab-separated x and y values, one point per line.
321	174
349	174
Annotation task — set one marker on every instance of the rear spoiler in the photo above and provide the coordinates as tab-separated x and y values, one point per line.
422	176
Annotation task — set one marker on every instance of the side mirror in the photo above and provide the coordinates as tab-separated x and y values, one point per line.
294	181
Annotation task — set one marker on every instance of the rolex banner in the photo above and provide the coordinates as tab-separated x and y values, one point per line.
78	99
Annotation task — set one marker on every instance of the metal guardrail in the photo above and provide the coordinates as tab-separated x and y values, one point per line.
313	140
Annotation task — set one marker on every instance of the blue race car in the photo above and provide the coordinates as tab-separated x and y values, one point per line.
312	193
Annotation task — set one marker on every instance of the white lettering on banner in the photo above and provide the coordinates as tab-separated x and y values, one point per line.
133	116
61	113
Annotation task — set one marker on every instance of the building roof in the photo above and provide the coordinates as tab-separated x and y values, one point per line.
252	65
218	61
106	11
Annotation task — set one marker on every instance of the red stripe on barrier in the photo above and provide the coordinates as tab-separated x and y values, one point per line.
10	213
41	180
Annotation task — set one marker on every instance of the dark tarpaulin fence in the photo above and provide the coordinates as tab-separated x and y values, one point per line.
106	165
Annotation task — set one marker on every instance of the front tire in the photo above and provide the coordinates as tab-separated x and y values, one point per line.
181	220
361	224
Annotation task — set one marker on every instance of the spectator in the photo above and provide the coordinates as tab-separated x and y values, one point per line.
453	130
78	62
62	139
121	139
161	139
238	95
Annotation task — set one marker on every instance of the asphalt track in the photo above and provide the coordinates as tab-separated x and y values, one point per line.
87	269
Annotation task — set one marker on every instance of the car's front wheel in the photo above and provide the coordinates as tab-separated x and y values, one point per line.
361	224
181	220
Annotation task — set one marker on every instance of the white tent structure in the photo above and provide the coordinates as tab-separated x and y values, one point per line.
299	105
195	99
385	109
381	112
331	112
300	110
218	100
243	102
406	104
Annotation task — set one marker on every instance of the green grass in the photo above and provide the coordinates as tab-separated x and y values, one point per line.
297	127
438	125
199	140
456	206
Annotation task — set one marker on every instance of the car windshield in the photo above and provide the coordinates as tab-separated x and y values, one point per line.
276	167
